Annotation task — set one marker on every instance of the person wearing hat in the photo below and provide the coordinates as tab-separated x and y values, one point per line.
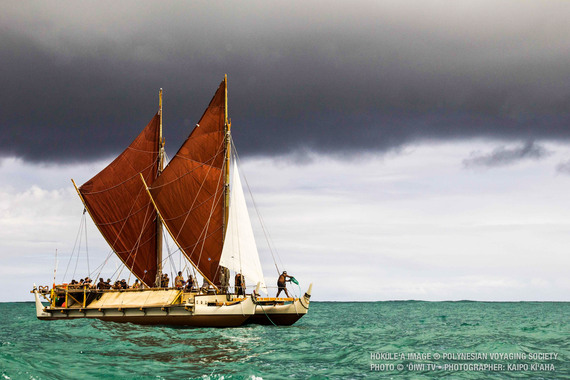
281	283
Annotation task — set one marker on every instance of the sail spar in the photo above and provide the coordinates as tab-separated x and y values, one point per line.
189	193
121	208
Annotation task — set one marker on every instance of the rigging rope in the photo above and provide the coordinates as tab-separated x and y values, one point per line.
268	239
75	244
133	252
203	234
79	247
255	301
86	247
148	209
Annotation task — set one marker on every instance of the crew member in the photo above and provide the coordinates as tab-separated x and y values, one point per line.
179	281
281	283
165	280
224	279
240	284
190	283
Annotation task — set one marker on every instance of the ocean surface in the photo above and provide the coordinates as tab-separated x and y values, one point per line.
337	340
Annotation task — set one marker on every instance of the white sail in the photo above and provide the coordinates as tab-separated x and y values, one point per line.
240	251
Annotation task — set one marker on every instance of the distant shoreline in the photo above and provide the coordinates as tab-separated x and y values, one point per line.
390	301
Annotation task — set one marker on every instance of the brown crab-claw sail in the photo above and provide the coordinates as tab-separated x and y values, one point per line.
121	208
189	192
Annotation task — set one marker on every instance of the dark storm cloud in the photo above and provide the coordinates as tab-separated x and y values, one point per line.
504	156
80	80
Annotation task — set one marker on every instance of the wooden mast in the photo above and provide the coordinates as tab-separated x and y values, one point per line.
159	171
227	131
224	272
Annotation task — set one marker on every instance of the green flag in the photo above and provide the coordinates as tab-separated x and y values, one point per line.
294	280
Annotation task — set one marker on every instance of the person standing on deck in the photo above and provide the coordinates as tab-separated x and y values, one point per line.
282	283
240	284
224	279
179	281
165	281
205	286
190	283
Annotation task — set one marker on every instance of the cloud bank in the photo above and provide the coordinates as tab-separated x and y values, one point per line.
80	80
415	225
503	156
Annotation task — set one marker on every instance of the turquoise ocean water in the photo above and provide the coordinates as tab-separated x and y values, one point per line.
408	339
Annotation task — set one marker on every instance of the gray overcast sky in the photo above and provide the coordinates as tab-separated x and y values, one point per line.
79	80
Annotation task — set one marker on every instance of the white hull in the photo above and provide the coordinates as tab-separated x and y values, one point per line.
162	307
280	311
172	307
